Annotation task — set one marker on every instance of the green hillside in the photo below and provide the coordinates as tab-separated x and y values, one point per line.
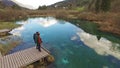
90	5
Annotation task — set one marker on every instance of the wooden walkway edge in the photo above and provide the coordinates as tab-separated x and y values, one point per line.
4	32
23	58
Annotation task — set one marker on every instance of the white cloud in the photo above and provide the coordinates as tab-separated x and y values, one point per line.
47	22
102	46
17	31
34	4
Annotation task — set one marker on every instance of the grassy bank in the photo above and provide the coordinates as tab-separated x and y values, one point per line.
8	43
5	43
12	14
108	22
8	25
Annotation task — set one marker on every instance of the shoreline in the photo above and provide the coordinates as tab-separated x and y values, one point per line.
7	41
108	21
105	21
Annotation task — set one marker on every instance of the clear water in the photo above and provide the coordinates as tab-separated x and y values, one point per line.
69	44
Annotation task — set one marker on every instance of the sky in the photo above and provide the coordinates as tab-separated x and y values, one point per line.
34	4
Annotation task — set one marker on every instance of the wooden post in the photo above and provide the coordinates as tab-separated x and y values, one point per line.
45	49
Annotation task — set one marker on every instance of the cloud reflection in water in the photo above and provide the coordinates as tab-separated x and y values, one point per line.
47	22
102	46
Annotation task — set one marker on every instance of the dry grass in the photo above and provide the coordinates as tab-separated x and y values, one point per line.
109	22
12	15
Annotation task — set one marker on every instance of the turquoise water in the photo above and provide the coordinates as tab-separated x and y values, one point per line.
69	44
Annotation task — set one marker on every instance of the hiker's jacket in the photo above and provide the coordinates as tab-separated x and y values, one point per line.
39	40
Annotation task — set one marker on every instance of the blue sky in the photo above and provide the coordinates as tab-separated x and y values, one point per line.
34	4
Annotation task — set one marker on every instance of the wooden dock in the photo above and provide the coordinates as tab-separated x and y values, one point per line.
23	58
4	32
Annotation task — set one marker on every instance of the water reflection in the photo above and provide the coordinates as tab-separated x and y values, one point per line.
46	22
17	31
70	45
102	46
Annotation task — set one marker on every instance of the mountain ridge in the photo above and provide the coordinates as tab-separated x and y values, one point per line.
88	4
7	2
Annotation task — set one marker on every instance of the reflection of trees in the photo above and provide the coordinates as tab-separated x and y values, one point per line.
61	22
93	29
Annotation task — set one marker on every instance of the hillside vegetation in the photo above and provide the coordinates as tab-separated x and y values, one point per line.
104	12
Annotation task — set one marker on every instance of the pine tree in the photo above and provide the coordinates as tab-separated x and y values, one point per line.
97	6
105	6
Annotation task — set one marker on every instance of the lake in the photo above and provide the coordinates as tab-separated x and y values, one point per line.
70	45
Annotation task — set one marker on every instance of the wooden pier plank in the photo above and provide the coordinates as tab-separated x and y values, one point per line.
22	58
4	30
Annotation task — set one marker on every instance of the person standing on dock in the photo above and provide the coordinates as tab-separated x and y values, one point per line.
39	41
35	39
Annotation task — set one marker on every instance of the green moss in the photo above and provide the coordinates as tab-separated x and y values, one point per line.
80	9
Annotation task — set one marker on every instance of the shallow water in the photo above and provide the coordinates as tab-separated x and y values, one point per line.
69	44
